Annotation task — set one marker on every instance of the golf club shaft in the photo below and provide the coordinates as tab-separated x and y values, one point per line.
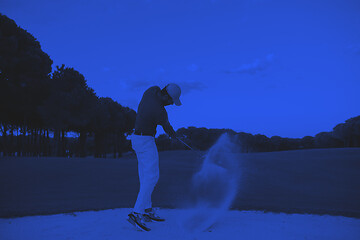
185	144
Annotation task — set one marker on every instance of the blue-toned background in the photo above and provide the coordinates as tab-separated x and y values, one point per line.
287	68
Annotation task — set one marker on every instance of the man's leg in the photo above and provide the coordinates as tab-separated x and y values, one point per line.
148	167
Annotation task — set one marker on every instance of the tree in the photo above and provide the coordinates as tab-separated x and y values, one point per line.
111	124
69	107
354	125
262	143
245	141
35	103
24	76
327	140
307	142
348	132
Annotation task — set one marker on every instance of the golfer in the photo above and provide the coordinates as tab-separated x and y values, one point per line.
151	112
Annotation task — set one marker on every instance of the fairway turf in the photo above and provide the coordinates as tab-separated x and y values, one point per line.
320	181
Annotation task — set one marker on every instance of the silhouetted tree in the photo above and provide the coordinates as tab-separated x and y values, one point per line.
262	143
307	142
24	75
355	128
348	132
111	124
34	104
246	142
69	107
163	143
327	140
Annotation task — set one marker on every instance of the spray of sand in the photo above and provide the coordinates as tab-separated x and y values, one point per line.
214	187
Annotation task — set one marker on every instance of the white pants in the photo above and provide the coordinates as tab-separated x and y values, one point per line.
148	167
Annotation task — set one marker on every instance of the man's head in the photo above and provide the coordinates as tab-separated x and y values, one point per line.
171	93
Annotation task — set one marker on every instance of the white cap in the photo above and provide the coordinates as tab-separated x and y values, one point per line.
174	91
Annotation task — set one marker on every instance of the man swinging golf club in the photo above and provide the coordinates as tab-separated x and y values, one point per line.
151	112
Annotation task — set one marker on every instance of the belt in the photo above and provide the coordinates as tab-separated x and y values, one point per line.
142	134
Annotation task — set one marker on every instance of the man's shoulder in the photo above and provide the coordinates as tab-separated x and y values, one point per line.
151	95
154	88
152	91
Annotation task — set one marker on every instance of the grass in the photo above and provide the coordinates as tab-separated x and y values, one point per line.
321	181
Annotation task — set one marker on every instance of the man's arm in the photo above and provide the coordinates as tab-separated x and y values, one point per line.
169	129
164	122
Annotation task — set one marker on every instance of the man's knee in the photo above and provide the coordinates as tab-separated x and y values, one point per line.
152	180
155	178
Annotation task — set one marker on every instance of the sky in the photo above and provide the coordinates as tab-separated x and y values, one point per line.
278	68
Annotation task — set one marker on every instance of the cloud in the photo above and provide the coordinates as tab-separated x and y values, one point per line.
137	84
161	70
354	48
187	87
142	85
193	68
161	77
129	101
255	67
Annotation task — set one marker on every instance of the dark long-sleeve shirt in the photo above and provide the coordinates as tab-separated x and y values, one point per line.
151	112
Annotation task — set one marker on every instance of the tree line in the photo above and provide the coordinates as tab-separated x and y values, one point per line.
343	135
38	107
